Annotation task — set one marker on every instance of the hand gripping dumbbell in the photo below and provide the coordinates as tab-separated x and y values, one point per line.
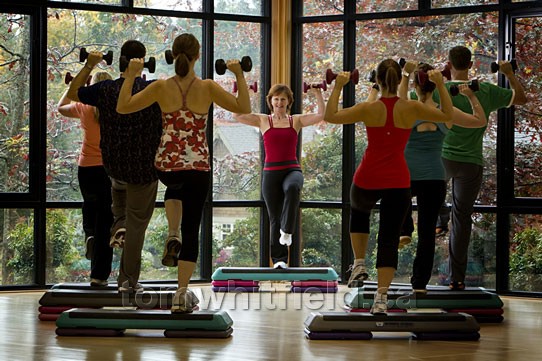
474	85
423	76
495	66
220	65
307	86
372	78
108	57
253	87
150	64
68	78
330	76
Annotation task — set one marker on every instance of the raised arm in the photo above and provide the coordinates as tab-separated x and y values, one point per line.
65	106
239	104
519	93
94	57
477	119
332	113
313	118
128	103
405	78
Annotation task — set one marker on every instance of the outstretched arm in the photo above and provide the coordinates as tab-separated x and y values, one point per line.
239	104
313	118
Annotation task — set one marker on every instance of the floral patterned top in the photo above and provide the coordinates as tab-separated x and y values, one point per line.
183	145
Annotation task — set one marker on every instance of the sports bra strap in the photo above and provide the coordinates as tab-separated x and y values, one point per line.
184	94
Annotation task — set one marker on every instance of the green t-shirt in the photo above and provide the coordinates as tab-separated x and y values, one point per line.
465	144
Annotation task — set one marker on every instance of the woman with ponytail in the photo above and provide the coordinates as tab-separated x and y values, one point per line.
182	159
383	173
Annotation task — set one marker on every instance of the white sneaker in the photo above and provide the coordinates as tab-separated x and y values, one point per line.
358	275
404	240
184	301
380	304
117	239
126	288
285	238
280	265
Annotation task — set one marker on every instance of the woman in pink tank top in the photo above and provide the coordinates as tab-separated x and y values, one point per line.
282	179
383	173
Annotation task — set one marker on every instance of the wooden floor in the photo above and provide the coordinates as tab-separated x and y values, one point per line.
267	326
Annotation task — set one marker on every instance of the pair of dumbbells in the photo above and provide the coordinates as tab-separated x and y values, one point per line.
108	57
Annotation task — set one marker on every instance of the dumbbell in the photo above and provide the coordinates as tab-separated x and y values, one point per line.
68	78
322	85
220	65
108	57
474	85
423	76
253	87
169	56
495	66
150	64
354	76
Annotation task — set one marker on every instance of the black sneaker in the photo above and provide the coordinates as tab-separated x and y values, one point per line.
171	251
457	286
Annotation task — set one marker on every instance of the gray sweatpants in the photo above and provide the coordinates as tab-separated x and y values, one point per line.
466	183
133	206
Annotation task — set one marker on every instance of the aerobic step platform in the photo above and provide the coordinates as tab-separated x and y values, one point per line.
237	276
102	322
485	306
360	326
113	286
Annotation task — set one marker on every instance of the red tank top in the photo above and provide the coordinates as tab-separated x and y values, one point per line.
280	146
383	165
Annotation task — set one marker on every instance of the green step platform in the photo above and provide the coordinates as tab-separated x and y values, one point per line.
272	274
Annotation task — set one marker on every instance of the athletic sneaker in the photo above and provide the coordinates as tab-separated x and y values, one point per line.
422	291
441	231
171	251
285	238
280	265
117	239
359	274
89	243
94	282
126	288
404	240
380	304
184	301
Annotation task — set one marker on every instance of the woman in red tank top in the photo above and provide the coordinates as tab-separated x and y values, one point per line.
383	173
282	179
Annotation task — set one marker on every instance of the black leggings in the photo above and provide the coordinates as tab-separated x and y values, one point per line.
394	203
281	191
191	188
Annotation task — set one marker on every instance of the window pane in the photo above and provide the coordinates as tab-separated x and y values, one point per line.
430	43
373	6
322	7
447	3
528	132
525	250
241	246
68	32
481	267
14	102
17	247
321	158
244	7
236	147
321	238
177	5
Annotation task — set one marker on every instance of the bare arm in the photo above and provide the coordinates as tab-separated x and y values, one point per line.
403	86
249	119
313	118
65	106
476	120
519	93
94	57
128	103
239	104
446	106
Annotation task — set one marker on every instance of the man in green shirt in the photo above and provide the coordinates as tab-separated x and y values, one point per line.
462	154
